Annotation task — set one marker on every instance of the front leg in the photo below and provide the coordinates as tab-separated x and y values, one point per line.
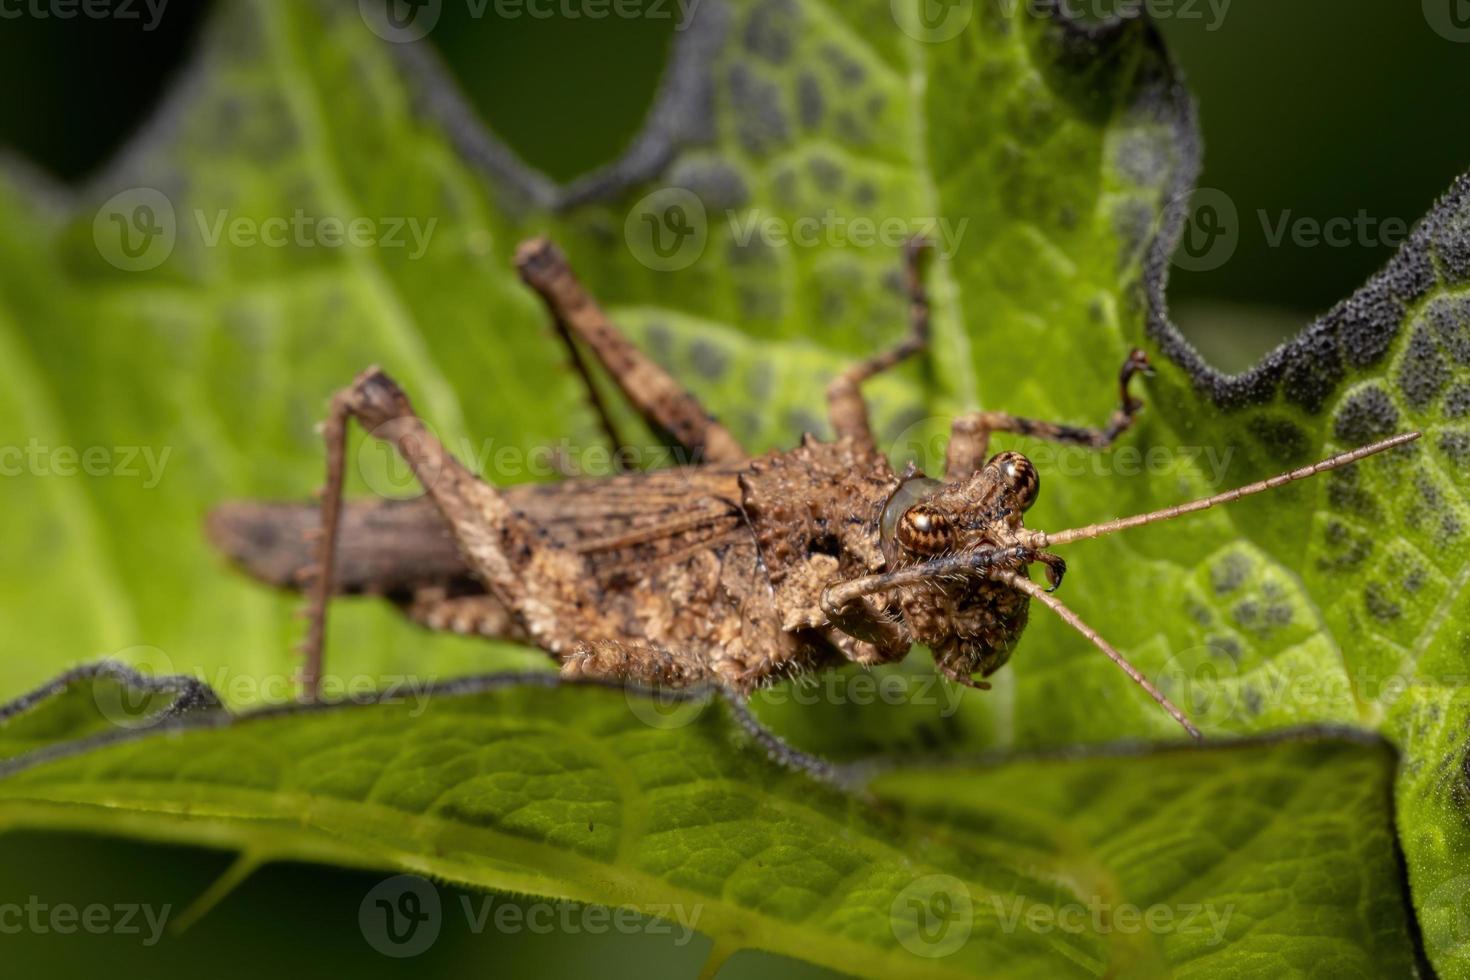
969	437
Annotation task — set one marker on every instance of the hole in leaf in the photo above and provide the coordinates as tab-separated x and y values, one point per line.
77	88
567	94
1331	127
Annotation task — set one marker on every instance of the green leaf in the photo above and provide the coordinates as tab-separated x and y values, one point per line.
1187	863
1057	154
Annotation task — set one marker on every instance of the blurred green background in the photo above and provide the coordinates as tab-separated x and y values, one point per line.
1315	110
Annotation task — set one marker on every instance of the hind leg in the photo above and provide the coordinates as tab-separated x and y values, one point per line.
518	567
663	402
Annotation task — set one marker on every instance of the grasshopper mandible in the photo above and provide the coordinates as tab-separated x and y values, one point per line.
733	572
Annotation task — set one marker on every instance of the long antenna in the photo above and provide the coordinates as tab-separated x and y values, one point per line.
1024	584
1042	539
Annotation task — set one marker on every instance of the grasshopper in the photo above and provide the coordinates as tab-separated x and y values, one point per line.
732	572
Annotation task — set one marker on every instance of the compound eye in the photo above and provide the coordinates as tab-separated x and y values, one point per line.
1019	477
925	531
909	492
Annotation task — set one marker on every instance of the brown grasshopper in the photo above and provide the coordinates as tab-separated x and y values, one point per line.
735	571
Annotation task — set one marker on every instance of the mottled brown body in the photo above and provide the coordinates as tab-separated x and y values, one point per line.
739	571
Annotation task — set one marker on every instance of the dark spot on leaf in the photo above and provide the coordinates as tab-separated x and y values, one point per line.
1366	325
1457	401
754	251
1282	438
1247	613
1367	415
1423	372
1345	494
811	104
1199	612
761	122
1351	548
1229	572
1450	317
1251	700
849	71
1279	615
717	184
757	303
768	32
759	380
826	174
853	129
1379	605
1456	445
803	421
1315	373
710	361
1226	645
660	341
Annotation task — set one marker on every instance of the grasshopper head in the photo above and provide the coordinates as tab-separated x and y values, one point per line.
926	518
971	622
